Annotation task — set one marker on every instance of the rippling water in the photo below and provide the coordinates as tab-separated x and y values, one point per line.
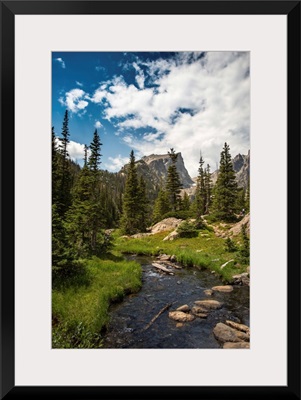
130	317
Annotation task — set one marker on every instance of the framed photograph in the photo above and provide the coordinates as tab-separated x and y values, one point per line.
152	246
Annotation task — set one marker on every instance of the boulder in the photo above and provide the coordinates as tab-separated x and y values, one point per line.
209	304
241	279
236	345
164	257
225	289
184	308
180	316
199	309
236	229
166	224
179	325
173	235
208	292
225	333
140	235
199	312
239	327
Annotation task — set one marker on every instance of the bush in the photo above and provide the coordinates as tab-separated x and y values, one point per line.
244	252
183	214
187	230
230	245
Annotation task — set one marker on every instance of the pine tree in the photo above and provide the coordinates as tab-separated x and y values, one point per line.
173	183
241	201
208	189
94	159
79	215
185	205
225	193
245	249
55	169
247	198
161	206
85	217
200	197
143	205
96	209
85	155
65	178
130	208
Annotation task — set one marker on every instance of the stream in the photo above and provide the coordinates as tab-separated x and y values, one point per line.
130	317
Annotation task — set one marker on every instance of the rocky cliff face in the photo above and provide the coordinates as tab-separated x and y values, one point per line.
154	170
241	165
158	166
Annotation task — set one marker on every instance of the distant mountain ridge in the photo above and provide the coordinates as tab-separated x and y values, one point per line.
154	170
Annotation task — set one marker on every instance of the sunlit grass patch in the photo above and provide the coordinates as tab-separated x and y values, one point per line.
80	312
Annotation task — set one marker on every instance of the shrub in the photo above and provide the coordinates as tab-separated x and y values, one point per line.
187	230
230	245
244	252
184	214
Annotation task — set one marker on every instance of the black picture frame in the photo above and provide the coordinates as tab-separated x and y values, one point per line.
9	9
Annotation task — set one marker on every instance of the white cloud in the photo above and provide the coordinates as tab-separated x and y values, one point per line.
98	124
79	83
198	102
61	61
140	78
76	151
116	163
74	100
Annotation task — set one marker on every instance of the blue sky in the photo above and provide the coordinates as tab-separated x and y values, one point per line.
150	102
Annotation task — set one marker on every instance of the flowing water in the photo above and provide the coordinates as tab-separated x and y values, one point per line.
130	317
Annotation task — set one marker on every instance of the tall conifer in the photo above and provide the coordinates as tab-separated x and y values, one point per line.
225	193
173	183
130	208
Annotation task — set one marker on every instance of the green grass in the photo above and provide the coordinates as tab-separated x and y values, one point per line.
204	251
80	304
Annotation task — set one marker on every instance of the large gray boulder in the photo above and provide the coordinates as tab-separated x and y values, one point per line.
224	333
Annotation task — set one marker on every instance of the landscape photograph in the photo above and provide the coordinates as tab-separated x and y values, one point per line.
150	200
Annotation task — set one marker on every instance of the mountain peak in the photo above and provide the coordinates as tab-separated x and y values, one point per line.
155	167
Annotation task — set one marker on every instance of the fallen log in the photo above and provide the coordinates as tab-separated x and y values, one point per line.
170	264
157	315
158	266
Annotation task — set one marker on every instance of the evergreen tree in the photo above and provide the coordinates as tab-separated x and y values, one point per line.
245	249
85	155
225	193
94	159
55	169
247	198
79	215
143	205
200	196
208	189
96	208
185	205
85	217
173	183
241	201
65	178
161	206
130	209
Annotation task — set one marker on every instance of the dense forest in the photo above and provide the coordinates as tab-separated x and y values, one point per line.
89	203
